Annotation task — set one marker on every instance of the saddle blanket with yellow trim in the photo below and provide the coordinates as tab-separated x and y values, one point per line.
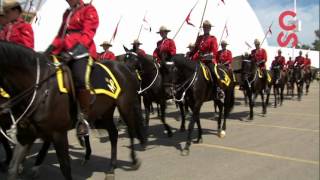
102	81
268	75
222	75
4	94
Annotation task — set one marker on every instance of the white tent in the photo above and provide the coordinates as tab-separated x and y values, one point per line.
242	23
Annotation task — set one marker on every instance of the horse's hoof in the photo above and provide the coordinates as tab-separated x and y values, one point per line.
35	172
109	176
136	165
222	134
185	152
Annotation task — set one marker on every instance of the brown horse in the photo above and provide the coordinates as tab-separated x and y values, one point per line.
43	112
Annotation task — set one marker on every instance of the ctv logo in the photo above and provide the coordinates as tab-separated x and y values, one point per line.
290	28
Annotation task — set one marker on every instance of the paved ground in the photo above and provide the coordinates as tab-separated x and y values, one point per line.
282	145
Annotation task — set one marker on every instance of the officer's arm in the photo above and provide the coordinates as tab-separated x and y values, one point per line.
90	25
26	33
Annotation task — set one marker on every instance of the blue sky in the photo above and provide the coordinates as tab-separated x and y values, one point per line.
307	12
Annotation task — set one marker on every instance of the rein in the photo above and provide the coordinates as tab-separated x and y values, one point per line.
185	90
151	84
7	106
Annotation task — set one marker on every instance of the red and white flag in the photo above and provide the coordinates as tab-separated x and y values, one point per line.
146	24
188	16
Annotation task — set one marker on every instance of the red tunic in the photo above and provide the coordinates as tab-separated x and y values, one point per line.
307	63
79	25
259	55
279	60
224	57
205	44
141	52
19	32
290	64
107	55
299	61
164	46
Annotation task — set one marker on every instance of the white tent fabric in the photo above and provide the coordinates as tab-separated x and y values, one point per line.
242	23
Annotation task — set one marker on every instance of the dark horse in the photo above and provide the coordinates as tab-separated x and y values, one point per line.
298	76
290	82
46	113
191	84
152	84
253	84
279	80
307	79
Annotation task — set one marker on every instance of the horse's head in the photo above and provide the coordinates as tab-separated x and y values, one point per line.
169	72
248	67
131	59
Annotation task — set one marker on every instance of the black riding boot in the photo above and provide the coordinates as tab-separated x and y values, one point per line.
83	97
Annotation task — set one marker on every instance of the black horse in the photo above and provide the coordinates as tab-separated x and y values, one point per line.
307	79
253	84
279	80
290	82
152	85
191	83
298	76
46	113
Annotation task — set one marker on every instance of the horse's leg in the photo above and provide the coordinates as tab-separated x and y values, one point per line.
19	154
275	93
221	108
251	104
245	95
88	149
163	118
147	104
264	107
281	95
183	117
113	136
60	142
7	149
186	149
40	158
197	117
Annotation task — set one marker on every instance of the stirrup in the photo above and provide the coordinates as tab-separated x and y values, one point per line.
82	126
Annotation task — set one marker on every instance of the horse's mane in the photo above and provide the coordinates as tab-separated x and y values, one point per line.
181	61
15	53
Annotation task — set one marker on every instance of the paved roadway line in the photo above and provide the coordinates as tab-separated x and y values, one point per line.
258	153
273	126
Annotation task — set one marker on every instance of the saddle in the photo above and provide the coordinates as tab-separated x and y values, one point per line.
101	80
222	75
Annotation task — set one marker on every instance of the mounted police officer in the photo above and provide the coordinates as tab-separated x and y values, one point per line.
224	55
166	48
259	56
136	48
206	46
74	43
107	54
279	61
206	51
16	30
299	61
189	54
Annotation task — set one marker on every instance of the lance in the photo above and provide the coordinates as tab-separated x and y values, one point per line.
141	25
184	21
224	28
266	34
204	11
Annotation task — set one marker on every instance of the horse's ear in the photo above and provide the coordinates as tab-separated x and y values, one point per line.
125	48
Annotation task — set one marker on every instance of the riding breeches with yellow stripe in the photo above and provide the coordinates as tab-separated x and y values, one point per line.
81	69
